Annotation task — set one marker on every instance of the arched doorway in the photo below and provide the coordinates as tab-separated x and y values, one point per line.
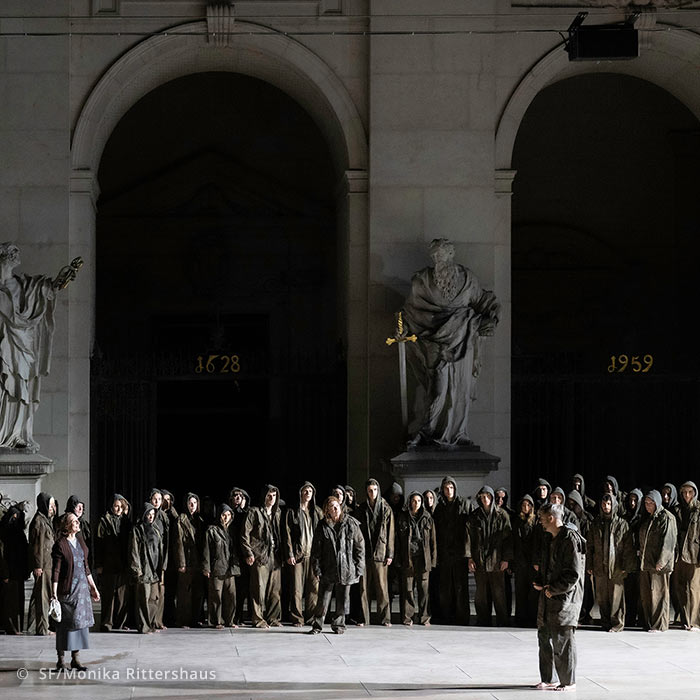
219	359
604	239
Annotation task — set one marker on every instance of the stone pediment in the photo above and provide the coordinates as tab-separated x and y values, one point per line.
210	184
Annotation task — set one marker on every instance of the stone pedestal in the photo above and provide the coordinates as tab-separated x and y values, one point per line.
424	468
20	475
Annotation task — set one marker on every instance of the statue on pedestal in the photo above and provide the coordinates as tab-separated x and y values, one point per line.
449	312
26	331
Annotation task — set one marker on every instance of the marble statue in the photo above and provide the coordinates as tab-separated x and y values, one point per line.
449	312
26	331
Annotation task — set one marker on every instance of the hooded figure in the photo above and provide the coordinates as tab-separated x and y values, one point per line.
239	500
41	541
610	486
262	548
148	556
540	496
490	549
16	557
220	566
350	499
299	527
687	571
77	507
416	555
610	555
523	527
450	517
541	538
111	550
171	573
574	503
338	561
634	515
669	499
188	545
377	524
657	542
579	484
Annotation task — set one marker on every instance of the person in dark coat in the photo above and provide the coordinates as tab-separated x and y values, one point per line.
669	500
338	560
526	597
688	565
450	518
148	559
350	499
16	558
338	491
41	541
634	513
657	542
415	555
221	567
540	494
111	545
262	548
162	523
490	549
239	500
610	485
578	484
73	587
171	573
377	524
609	557
187	547
77	507
429	500
574	503
299	527
560	582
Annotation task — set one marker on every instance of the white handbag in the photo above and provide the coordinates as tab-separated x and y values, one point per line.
55	610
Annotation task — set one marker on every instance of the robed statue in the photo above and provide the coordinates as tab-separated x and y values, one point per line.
26	331
449	312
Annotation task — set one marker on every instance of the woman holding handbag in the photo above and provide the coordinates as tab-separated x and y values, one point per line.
72	586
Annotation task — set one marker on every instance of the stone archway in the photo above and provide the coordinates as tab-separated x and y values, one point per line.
295	69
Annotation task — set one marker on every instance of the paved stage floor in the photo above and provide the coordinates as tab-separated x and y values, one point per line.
397	662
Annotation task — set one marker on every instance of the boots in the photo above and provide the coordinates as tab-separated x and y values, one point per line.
60	666
75	662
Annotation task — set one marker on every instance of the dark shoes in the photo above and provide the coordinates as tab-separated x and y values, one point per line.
314	630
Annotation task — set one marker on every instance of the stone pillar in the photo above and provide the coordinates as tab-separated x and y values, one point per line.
21	476
81	329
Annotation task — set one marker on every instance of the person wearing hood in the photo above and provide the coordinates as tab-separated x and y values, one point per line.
574	503
501	498
526	597
162	523
609	557
610	486
489	550
299	527
338	491
541	538
239	500
77	507
669	499
687	569
338	561
41	541
171	573
657	543
377	524
429	501
220	567
148	554
634	514
188	545
540	494
350	499
579	484
416	555
16	556
450	517
262	548
560	583
111	545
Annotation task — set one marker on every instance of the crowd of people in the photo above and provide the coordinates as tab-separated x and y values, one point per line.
274	561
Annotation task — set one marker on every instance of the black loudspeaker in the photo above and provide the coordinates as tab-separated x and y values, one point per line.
602	42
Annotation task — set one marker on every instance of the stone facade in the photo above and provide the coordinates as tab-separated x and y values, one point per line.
420	103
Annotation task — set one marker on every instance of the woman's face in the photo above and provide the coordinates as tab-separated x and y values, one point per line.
73	524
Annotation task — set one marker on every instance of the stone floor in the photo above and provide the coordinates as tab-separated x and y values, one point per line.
400	662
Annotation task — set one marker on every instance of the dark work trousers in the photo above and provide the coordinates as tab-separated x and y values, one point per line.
526	599
39	603
454	592
419	580
170	598
12	606
588	599
654	595
687	579
243	594
509	592
490	587
610	596
113	603
265	591
342	605
221	607
632	599
160	605
303	590
147	599
557	650
356	614
375	583
190	594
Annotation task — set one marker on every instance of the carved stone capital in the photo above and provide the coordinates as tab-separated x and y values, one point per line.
503	182
84	182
